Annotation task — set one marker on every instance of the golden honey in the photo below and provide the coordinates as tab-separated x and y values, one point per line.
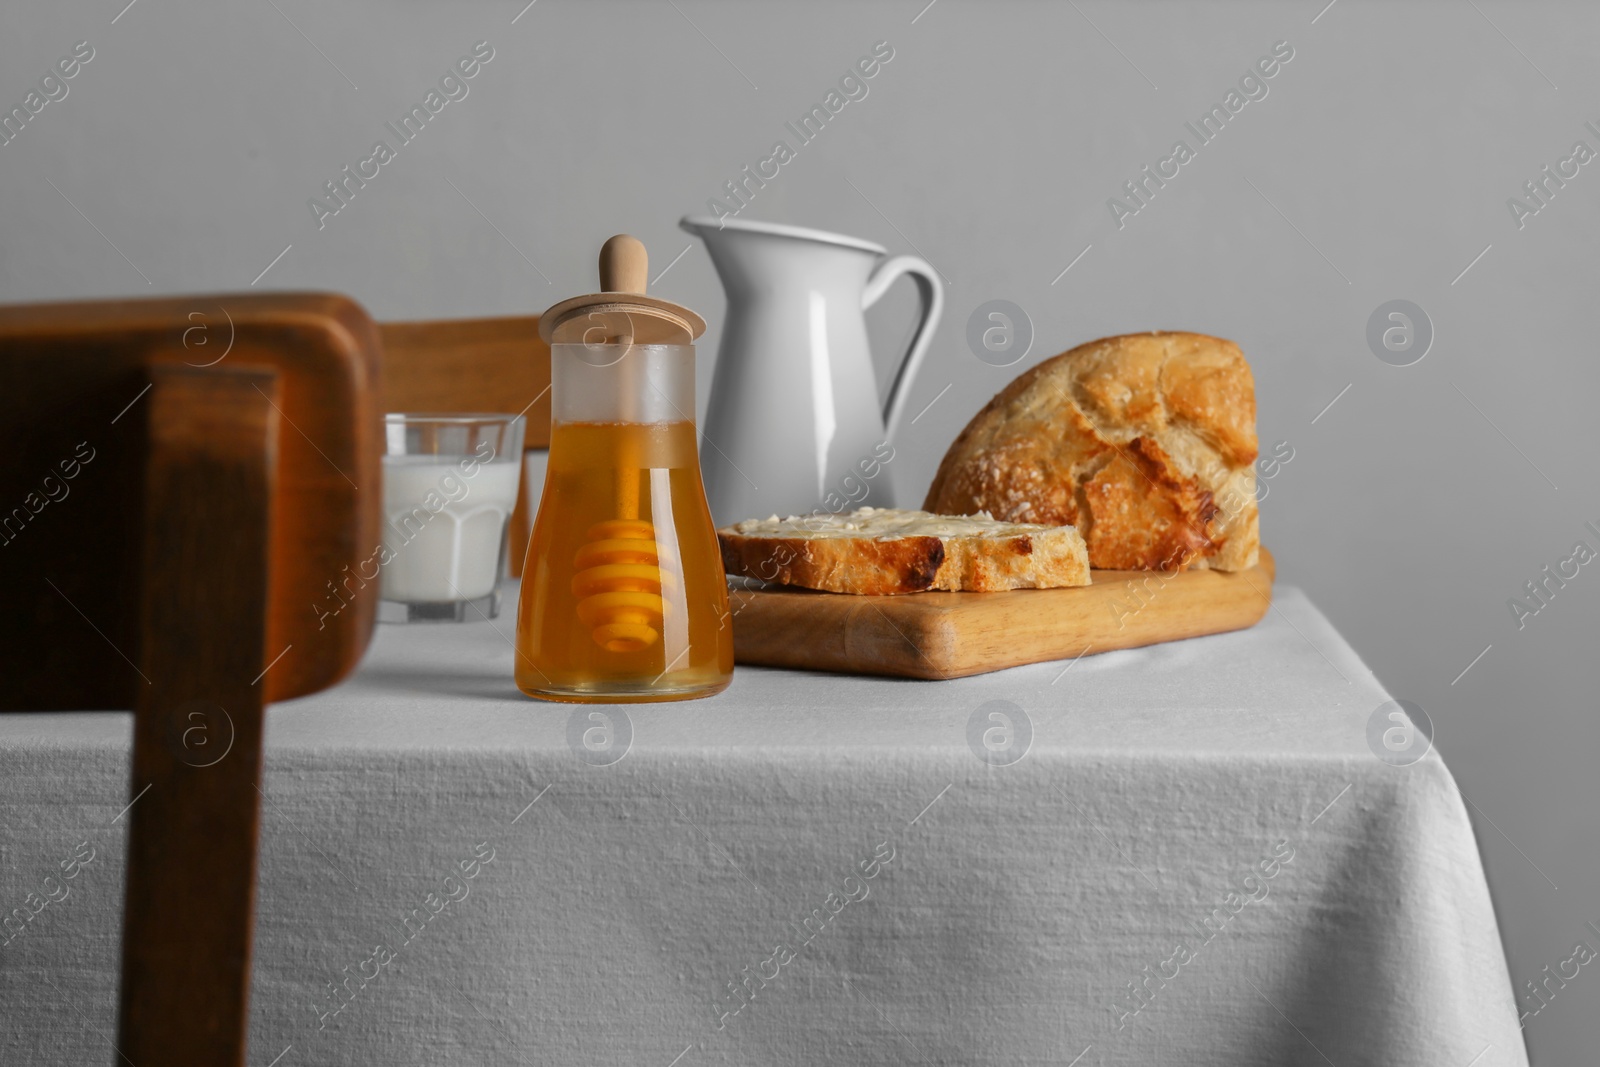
623	595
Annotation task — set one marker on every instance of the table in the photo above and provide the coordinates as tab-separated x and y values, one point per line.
1197	858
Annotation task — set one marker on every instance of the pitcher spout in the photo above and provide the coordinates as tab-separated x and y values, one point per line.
705	226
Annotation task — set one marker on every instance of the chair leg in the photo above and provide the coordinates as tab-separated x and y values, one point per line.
188	925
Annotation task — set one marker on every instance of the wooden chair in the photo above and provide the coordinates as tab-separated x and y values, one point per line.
180	509
475	365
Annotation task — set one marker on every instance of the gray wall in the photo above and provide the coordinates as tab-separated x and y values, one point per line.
1413	508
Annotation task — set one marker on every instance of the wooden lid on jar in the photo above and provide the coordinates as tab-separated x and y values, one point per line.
621	313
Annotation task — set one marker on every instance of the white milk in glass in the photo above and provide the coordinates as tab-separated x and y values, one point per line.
443	527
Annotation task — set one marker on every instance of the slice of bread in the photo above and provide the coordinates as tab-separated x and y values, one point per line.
1146	443
882	551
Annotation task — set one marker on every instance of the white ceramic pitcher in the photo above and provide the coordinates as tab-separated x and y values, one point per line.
795	425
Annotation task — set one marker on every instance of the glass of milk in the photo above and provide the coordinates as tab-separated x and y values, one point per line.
449	487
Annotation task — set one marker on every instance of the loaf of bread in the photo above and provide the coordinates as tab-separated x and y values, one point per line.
881	551
1146	443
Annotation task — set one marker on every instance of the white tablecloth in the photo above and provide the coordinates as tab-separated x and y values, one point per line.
1198	859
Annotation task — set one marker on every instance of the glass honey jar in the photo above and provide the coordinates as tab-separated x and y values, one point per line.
623	593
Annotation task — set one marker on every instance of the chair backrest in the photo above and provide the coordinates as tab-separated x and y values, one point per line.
183	514
76	384
454	366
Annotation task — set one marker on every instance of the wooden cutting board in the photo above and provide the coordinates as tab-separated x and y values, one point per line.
951	635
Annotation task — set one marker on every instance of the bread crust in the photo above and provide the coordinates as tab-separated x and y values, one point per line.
1145	442
842	562
864	567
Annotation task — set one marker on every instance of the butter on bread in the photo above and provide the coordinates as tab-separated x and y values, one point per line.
883	551
1145	442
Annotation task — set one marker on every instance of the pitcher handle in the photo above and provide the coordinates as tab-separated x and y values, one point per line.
932	297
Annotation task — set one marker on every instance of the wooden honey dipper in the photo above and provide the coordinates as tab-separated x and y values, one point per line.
618	580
